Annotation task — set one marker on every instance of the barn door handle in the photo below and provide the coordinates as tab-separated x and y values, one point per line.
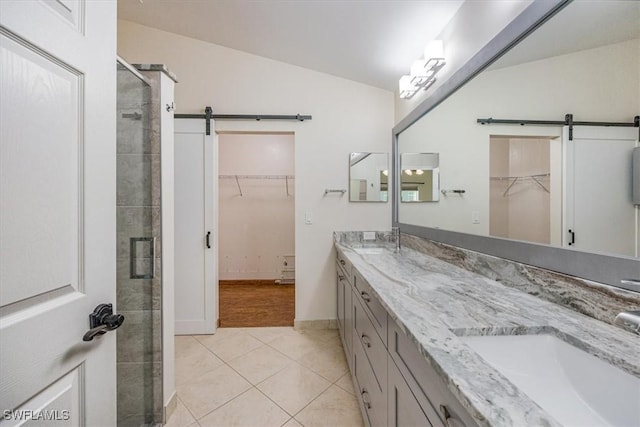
207	239
101	321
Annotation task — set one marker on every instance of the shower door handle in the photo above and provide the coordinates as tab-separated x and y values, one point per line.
133	256
208	237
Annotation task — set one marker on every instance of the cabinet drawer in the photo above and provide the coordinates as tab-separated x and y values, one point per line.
371	304
428	388
372	398
376	352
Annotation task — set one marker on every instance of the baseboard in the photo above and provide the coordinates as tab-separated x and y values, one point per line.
194	327
170	407
301	325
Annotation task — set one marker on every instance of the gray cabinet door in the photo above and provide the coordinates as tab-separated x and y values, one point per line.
340	280
403	407
348	322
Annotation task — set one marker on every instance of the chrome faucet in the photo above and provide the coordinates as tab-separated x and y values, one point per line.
629	320
396	237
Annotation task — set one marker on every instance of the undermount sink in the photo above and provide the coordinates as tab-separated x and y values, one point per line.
573	386
368	251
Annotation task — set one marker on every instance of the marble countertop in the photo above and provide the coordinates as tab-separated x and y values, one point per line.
435	303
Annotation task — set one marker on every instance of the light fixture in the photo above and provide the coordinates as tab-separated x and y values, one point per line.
423	71
385	172
408	172
407	88
419	171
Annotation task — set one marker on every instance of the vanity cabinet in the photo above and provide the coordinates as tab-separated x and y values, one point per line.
344	308
404	409
394	383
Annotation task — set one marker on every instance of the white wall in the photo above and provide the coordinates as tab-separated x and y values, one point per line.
347	117
598	84
257	229
472	27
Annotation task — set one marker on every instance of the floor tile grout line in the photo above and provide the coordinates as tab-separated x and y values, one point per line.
187	408
313	400
225	403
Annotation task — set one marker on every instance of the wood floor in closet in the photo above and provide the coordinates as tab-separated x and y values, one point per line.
248	303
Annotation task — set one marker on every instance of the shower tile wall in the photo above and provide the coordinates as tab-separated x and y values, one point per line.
139	345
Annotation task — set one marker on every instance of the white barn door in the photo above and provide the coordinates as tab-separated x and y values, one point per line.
599	212
196	234
57	217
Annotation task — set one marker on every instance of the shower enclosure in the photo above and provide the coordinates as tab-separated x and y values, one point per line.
139	285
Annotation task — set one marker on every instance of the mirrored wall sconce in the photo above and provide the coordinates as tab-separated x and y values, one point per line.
423	71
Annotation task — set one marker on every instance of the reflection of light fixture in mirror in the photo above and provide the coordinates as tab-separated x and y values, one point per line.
408	172
423	71
385	172
419	171
407	88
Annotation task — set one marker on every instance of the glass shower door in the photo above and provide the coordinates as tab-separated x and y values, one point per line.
139	363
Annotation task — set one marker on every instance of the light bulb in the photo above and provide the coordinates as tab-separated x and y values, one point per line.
385	172
408	172
419	171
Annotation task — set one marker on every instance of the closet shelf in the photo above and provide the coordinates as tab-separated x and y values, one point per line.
239	177
535	178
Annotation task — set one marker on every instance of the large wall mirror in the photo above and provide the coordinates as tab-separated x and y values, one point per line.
527	175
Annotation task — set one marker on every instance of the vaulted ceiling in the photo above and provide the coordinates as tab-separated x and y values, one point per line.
369	41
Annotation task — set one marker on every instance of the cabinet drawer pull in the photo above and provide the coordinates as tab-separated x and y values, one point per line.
342	262
366	340
444	411
365	296
365	398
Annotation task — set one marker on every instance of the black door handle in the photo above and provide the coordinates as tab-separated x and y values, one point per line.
208	241
101	321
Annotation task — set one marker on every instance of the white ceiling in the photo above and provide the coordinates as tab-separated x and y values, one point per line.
370	41
581	25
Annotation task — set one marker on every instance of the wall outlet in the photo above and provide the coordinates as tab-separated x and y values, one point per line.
368	235
307	218
475	217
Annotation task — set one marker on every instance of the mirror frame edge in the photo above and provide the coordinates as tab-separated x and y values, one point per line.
607	269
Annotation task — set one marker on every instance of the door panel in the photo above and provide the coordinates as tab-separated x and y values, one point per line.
57	223
599	207
195	263
41	228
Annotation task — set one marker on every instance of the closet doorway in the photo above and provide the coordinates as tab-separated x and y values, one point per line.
256	261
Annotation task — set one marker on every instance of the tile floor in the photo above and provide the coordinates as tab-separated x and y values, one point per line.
261	377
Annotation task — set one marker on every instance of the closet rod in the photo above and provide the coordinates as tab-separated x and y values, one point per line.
287	177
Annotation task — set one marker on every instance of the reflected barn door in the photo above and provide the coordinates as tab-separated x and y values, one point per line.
600	215
57	218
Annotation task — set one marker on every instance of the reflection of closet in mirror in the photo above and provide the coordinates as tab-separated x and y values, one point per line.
520	205
368	177
420	179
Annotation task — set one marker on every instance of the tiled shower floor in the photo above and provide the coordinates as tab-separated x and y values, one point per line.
260	377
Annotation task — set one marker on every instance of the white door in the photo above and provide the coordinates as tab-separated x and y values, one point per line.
196	249
600	215
57	218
